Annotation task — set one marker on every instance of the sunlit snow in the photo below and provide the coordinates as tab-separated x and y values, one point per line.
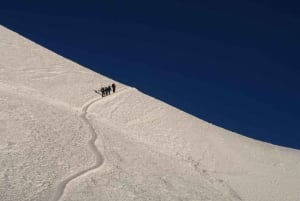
59	140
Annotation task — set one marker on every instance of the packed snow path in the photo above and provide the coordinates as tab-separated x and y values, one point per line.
99	157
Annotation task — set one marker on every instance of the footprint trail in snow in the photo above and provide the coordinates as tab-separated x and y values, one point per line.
99	158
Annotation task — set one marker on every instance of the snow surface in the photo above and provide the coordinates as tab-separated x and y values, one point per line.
59	140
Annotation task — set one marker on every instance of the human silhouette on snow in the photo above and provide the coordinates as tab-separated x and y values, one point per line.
106	90
113	87
109	89
102	91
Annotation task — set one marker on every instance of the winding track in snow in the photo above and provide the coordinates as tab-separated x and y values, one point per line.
99	158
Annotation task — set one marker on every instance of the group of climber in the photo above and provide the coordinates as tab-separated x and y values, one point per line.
106	90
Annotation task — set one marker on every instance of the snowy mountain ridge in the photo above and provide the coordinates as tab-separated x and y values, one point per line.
62	141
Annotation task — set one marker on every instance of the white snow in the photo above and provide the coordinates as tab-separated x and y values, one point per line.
59	140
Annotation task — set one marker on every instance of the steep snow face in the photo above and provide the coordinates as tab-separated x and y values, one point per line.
62	141
237	166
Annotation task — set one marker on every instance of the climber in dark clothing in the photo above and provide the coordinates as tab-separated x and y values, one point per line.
113	87
105	91
109	89
102	91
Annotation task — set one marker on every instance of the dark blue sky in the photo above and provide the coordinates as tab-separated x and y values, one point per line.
232	63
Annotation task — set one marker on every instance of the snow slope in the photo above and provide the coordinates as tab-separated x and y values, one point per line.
61	141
